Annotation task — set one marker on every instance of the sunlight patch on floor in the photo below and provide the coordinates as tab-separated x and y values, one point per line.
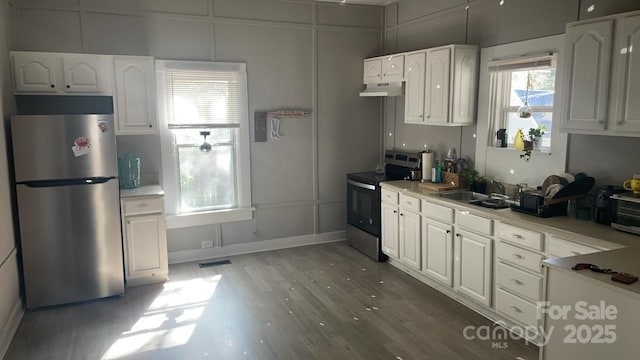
170	319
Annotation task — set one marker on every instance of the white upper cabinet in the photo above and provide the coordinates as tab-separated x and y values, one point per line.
61	74
372	71
135	95
34	72
436	104
441	86
414	90
82	73
627	74
603	76
588	71
392	68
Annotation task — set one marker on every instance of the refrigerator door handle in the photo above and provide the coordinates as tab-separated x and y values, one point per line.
66	182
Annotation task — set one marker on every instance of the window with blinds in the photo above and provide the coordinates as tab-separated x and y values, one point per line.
514	82
204	109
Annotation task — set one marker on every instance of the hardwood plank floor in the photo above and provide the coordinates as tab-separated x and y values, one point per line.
314	302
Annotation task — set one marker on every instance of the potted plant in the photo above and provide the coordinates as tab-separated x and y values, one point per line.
533	143
476	183
535	135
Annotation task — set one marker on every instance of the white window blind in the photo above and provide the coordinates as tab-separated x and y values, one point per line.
198	99
532	62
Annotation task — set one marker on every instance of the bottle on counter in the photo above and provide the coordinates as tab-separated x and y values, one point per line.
434	172
439	170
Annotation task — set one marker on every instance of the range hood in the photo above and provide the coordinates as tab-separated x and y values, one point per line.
384	89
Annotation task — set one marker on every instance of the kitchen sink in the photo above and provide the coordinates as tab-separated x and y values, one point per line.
464	196
493	201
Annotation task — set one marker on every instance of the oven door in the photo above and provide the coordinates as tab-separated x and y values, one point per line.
363	206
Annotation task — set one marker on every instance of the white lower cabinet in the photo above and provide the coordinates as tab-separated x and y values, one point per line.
390	230
410	239
473	266
437	251
145	240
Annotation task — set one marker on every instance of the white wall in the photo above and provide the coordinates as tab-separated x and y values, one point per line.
298	54
10	304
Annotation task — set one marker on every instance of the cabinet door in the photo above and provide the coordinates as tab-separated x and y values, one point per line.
465	72
473	266
146	245
588	68
627	75
135	95
33	72
414	97
372	71
437	251
393	68
436	106
82	73
410	239
390	230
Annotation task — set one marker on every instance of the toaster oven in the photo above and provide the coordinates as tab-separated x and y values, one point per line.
626	212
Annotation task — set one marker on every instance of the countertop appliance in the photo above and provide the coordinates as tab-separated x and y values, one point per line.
68	207
363	202
626	213
603	205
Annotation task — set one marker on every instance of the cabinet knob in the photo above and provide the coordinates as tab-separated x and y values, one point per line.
53	86
128	221
428	116
518	256
516	281
401	214
395	212
419	116
150	125
448	231
516	309
68	86
458	235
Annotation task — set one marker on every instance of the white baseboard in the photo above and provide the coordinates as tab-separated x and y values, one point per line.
10	328
176	257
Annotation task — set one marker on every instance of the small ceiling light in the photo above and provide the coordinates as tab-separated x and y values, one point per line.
205	147
501	2
591	8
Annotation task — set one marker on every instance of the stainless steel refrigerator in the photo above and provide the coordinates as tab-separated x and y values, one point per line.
68	207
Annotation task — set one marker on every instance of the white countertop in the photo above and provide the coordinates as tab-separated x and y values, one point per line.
144	190
623	258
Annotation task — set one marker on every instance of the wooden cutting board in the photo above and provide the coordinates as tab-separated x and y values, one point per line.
437	187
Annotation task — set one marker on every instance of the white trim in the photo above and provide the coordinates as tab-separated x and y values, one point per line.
9	329
177	257
169	161
208	217
507	166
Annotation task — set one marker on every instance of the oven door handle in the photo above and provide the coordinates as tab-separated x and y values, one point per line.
362	185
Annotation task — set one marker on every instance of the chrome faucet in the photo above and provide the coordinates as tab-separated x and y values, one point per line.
498	185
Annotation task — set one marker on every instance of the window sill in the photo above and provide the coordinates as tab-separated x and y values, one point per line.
178	221
546	151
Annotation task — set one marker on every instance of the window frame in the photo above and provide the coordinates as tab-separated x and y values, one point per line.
505	164
170	166
499	112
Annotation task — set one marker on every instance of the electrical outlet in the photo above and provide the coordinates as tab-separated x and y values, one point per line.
207	244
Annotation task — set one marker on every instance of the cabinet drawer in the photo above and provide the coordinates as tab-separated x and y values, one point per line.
390	197
409	203
437	212
518	281
521	257
563	248
527	238
138	206
474	223
516	308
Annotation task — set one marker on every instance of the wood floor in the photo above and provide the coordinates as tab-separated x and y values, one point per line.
324	301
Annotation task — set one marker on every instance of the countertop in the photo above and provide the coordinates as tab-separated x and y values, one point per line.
622	250
144	190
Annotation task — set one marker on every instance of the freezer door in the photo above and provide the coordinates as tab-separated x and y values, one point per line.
71	242
63	147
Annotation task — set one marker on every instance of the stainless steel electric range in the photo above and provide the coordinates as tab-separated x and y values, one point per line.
363	202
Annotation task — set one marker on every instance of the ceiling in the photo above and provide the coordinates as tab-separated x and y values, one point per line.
368	2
